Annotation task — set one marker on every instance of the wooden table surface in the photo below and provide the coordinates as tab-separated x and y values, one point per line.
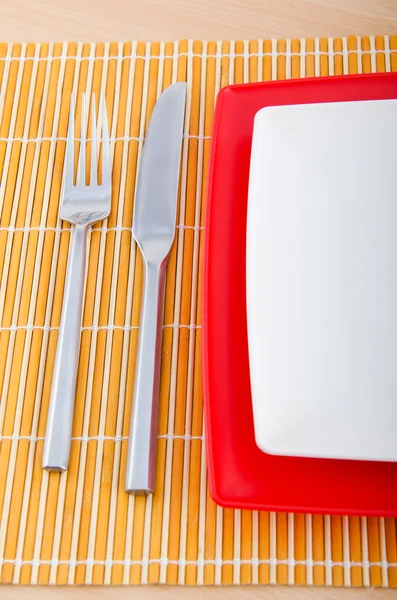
120	20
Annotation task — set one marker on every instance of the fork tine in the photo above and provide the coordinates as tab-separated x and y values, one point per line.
69	175
81	173
94	150
106	173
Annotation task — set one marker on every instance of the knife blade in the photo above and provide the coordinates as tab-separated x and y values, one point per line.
154	231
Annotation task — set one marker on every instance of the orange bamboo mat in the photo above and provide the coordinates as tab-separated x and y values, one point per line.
80	527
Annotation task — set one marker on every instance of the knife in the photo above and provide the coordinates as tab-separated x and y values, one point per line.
154	231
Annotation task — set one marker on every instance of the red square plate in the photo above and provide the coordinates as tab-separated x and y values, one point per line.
240	475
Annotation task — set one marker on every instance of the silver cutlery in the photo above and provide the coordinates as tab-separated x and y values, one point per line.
82	205
154	230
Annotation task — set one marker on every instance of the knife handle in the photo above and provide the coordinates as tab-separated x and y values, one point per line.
142	444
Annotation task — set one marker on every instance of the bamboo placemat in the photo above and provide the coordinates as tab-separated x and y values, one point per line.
81	527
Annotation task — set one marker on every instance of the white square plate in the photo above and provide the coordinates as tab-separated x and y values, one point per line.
322	280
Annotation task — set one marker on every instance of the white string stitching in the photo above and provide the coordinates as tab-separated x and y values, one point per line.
193	227
219	55
180	326
100	438
183	562
95	327
125	138
12	229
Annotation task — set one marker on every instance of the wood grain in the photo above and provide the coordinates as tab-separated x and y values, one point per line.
213	593
93	20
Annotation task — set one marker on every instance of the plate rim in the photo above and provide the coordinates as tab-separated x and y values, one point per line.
219	495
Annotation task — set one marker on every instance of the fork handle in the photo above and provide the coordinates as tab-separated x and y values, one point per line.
60	415
142	445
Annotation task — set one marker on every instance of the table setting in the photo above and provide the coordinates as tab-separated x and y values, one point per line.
197	312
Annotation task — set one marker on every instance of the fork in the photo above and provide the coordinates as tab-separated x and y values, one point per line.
82	205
